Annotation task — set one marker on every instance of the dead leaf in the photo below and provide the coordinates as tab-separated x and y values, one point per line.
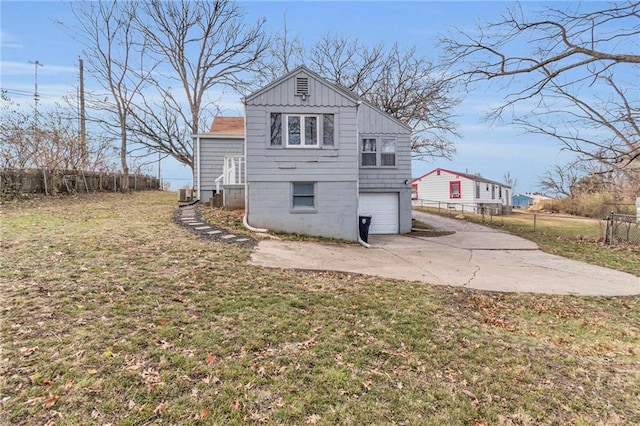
160	407
235	406
50	401
367	385
28	351
204	413
313	419
262	372
470	395
211	359
92	371
131	404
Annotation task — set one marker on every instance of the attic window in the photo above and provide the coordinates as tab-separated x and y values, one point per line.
302	86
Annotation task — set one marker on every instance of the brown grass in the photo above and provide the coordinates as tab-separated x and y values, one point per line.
113	314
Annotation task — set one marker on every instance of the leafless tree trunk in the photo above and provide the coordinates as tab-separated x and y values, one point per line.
200	46
572	75
510	181
115	53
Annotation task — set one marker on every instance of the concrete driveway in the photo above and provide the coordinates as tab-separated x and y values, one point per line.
474	256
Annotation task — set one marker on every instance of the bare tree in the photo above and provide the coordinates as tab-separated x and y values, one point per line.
510	181
199	46
115	55
399	82
285	52
559	180
573	72
52	144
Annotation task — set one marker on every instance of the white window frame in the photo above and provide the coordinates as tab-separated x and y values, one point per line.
302	118
320	138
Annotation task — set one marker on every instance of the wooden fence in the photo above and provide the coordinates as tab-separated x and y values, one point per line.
17	183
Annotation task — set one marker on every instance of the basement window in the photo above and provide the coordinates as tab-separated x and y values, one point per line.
303	195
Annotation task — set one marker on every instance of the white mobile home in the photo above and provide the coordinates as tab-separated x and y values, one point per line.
461	191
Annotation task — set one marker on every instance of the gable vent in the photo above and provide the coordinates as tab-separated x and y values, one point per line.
302	86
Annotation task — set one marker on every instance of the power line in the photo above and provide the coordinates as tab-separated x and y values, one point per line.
16	92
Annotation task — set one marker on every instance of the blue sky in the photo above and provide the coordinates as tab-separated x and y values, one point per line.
29	33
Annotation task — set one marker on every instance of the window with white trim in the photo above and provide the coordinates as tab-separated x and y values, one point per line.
303	195
369	155
302	130
378	152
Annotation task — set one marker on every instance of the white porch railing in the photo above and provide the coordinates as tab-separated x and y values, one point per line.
232	172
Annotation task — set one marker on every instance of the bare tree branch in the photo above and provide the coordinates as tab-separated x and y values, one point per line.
574	73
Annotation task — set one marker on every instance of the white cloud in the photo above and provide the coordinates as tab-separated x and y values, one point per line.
7	41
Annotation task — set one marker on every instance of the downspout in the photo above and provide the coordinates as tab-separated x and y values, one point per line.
198	171
245	218
367	245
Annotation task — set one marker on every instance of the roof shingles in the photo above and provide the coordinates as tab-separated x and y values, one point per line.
228	126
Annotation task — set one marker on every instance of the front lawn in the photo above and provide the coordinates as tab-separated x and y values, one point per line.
113	314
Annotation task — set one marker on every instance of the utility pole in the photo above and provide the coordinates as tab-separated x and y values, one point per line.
36	97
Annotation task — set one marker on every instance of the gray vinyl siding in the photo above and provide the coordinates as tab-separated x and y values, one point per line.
320	94
267	163
374	123
212	153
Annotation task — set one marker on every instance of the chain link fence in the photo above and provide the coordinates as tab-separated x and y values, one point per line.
622	229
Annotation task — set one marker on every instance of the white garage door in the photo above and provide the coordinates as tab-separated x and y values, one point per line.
383	206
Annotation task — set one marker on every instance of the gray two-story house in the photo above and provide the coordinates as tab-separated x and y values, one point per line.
318	157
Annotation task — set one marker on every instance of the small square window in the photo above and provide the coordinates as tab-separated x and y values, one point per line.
303	195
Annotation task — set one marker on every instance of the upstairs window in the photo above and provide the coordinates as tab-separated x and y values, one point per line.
388	152
276	129
327	129
477	189
454	189
378	152
301	130
369	155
